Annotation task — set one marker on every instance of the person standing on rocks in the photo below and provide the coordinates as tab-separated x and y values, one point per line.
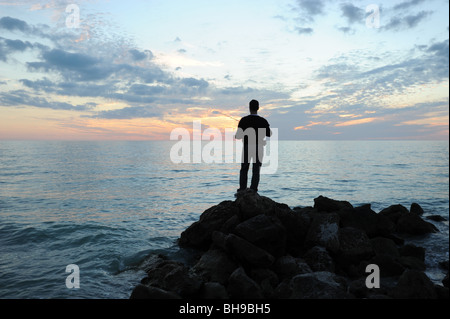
252	129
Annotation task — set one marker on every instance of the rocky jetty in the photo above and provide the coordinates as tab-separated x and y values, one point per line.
254	247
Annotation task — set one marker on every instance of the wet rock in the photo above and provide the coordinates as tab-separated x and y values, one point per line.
264	231
324	231
198	235
414	225
287	267
394	212
355	246
366	219
318	285
325	204
213	290
215	265
414	284
319	259
413	251
248	253
436	218
241	286
416	209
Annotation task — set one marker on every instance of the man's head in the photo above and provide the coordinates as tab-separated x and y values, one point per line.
254	106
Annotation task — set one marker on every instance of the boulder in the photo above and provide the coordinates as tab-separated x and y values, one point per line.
264	231
324	231
296	224
414	225
241	286
198	235
318	285
384	246
413	251
414	284
287	267
445	280
215	265
251	204
355	246
416	209
183	282
247	253
213	290
436	218
394	212
318	259
325	204
364	218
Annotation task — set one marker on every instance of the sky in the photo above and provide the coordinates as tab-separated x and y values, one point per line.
136	70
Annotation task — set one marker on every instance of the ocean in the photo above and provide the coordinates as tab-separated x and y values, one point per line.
105	206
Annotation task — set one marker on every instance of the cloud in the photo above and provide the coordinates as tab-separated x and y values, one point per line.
310	8
23	98
407	4
12	24
130	112
356	122
408	22
352	13
301	30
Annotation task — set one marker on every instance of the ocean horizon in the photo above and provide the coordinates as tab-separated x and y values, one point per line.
106	205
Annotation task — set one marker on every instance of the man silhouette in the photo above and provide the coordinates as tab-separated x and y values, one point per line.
252	129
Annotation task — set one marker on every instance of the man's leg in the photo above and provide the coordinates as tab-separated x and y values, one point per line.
243	176
256	168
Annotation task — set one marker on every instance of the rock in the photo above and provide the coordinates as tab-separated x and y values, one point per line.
324	204
158	271
240	286
318	259
355	246
445	280
394	212
411	262
251	204
413	251
414	284
414	225
385	246
266	279
324	231
388	264
436	218
215	265
296	224
443	264
198	235
416	209
442	292
366	219
148	292
183	282
248	253
214	290
318	285
287	267
264	231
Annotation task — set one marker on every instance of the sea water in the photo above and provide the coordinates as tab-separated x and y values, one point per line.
105	206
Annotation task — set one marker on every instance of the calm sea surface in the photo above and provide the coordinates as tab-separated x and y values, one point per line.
104	206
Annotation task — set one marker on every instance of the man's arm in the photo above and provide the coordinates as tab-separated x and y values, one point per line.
240	132
268	130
